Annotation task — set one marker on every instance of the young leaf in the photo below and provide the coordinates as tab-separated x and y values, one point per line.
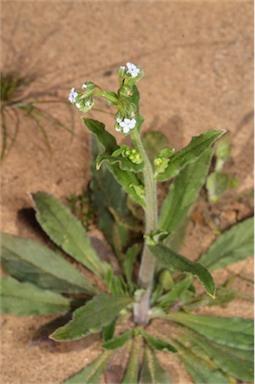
130	258
118	341
158	344
176	262
92	372
30	261
27	299
152	372
115	284
67	232
233	245
92	317
190	153
183	193
176	292
233	332
132	372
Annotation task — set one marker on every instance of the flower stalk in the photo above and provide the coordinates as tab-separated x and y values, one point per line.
147	267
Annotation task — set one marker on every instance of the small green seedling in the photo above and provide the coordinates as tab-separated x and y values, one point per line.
149	279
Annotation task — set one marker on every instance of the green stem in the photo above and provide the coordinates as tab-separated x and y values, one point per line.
147	267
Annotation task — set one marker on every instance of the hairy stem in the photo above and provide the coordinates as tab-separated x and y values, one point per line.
147	267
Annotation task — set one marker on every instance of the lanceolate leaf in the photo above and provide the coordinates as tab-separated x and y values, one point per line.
233	361
176	292
132	372
118	341
67	232
158	344
183	193
104	137
27	299
189	154
233	245
30	261
92	317
233	332
127	179
91	373
202	370
176	262
108	208
130	258
152	372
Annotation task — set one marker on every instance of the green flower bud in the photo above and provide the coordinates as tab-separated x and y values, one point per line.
126	91
84	104
121	72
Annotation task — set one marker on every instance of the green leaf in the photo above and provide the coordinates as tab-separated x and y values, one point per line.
92	317
104	137
222	297
118	341
30	261
130	259
176	262
67	232
233	361
27	299
190	153
109	330
183	193
104	189
176	292
233	245
233	332
115	284
158	344
201	370
125	178
152	372
132	372
92	373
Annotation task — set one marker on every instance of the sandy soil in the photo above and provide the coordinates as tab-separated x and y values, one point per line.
198	63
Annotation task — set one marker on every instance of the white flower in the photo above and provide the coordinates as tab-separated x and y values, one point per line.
132	69
126	124
88	103
73	96
84	86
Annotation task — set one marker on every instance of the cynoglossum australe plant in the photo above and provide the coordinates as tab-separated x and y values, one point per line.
148	282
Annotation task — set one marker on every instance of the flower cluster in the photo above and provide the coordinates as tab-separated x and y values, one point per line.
132	69
130	73
132	155
125	125
73	96
83	101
